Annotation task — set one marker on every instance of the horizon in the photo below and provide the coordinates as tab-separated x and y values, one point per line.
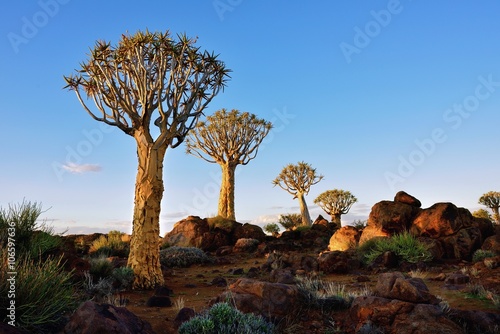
378	97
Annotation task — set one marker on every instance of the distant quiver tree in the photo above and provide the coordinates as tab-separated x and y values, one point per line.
228	139
491	200
154	88
336	203
297	181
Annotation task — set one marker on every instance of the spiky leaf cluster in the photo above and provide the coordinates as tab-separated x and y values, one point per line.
336	201
297	178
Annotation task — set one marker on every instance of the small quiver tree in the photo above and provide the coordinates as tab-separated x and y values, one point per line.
336	203
297	181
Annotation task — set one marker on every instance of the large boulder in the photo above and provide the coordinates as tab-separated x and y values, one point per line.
210	234
188	232
271	300
403	197
462	244
396	316
345	238
392	217
441	220
337	262
395	286
92	318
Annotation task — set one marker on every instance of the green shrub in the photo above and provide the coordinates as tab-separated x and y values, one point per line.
100	267
404	245
220	223
290	221
176	256
221	318
110	245
480	255
43	293
33	238
272	228
123	276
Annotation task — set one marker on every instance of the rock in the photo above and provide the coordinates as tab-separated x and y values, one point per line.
184	315
403	197
159	301
440	220
163	291
321	221
434	246
5	328
492	262
392	217
396	286
492	243
345	238
188	232
219	281
476	321
372	232
92	318
248	231
337	262
463	244
485	226
271	300
283	276
457	279
246	245
395	316
292	260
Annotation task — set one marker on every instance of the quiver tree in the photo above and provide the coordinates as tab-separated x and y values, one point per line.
146	78
228	139
297	180
336	203
492	200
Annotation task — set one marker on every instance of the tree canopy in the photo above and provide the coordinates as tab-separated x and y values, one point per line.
336	202
491	200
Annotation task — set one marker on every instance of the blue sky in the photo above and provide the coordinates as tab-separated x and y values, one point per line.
378	96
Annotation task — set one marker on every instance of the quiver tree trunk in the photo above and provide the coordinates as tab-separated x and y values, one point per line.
336	219
144	245
304	211
226	198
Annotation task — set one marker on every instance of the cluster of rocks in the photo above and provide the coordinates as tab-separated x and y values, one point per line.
449	232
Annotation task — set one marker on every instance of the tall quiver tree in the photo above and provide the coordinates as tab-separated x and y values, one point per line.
492	200
297	180
228	139
336	203
149	77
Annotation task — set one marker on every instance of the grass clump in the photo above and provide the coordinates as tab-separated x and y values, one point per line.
404	245
220	223
221	318
327	295
43	293
100	267
110	245
480	255
290	221
176	256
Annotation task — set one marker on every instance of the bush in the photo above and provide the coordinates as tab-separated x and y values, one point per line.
35	239
290	221
43	293
220	223
480	255
221	318
100	267
176	256
124	277
272	228
110	245
404	245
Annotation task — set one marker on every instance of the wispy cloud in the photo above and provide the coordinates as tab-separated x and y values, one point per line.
81	168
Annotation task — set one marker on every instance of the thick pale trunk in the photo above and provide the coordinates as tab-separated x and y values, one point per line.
226	197
336	219
496	215
304	211
144	257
